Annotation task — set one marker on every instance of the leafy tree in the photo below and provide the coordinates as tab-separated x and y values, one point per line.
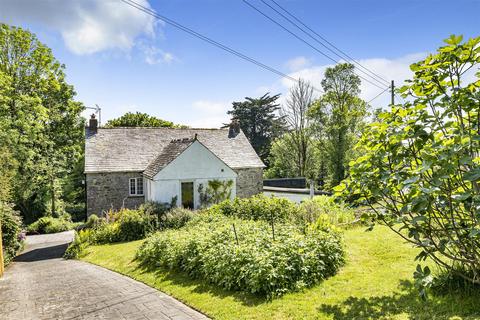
421	171
296	147
259	121
283	162
337	116
138	119
43	127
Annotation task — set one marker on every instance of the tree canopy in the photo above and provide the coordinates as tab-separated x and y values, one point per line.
259	121
337	116
138	119
40	120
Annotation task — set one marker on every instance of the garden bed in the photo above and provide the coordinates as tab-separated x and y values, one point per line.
375	283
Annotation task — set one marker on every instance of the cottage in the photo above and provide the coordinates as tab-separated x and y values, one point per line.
124	167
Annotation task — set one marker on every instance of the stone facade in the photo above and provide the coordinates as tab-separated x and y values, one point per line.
249	181
110	190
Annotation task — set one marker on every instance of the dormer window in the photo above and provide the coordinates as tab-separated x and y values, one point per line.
136	186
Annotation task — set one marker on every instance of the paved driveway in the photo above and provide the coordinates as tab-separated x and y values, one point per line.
42	285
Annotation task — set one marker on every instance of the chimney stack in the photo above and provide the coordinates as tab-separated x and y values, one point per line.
234	129
93	124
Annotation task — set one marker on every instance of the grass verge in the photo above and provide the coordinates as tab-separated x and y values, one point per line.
376	283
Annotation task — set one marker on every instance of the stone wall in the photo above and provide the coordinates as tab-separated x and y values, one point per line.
110	191
249	182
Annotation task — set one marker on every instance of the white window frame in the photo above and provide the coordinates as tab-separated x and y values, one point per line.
136	187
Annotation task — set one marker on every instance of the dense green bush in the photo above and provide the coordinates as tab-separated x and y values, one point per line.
78	245
248	259
153	208
124	225
258	207
50	225
11	231
177	218
93	221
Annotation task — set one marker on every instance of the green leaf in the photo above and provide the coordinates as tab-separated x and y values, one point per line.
472	175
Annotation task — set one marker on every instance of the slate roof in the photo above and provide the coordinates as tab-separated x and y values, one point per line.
133	149
171	151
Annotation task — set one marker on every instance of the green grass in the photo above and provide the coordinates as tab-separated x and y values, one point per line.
376	283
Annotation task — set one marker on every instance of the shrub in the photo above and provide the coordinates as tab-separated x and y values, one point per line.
94	221
133	225
258	207
176	218
78	245
12	239
207	248
50	225
124	225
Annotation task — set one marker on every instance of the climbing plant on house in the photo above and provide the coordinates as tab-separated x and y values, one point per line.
215	192
421	170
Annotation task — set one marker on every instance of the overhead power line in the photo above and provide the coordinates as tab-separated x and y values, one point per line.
381	86
342	54
209	40
378	95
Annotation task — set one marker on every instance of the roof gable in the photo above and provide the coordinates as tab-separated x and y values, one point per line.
195	162
169	153
134	149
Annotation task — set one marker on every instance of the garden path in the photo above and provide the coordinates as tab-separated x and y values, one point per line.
40	284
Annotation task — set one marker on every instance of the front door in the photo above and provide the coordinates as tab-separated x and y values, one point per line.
187	195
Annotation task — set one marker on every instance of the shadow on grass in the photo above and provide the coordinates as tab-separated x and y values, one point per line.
406	301
200	286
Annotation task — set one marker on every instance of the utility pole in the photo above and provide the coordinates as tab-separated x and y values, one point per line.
392	88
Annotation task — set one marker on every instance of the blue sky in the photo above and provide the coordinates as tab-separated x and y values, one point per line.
123	60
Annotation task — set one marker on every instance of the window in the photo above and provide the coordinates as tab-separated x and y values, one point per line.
136	186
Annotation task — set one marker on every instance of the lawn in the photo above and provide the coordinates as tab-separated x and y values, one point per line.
376	283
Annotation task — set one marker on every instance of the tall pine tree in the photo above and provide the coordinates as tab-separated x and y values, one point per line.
259	121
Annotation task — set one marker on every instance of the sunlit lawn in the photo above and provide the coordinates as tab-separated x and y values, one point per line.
376	283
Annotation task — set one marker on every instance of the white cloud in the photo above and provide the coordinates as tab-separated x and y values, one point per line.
86	26
298	63
154	55
390	69
211	114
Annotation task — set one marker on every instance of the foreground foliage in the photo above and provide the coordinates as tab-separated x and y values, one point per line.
246	255
12	238
375	283
421	170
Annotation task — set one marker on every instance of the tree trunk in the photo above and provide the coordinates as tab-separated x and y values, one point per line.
52	185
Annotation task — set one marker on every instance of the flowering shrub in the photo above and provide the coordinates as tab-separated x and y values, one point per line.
242	255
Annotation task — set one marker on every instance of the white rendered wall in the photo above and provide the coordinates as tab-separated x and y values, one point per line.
196	164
